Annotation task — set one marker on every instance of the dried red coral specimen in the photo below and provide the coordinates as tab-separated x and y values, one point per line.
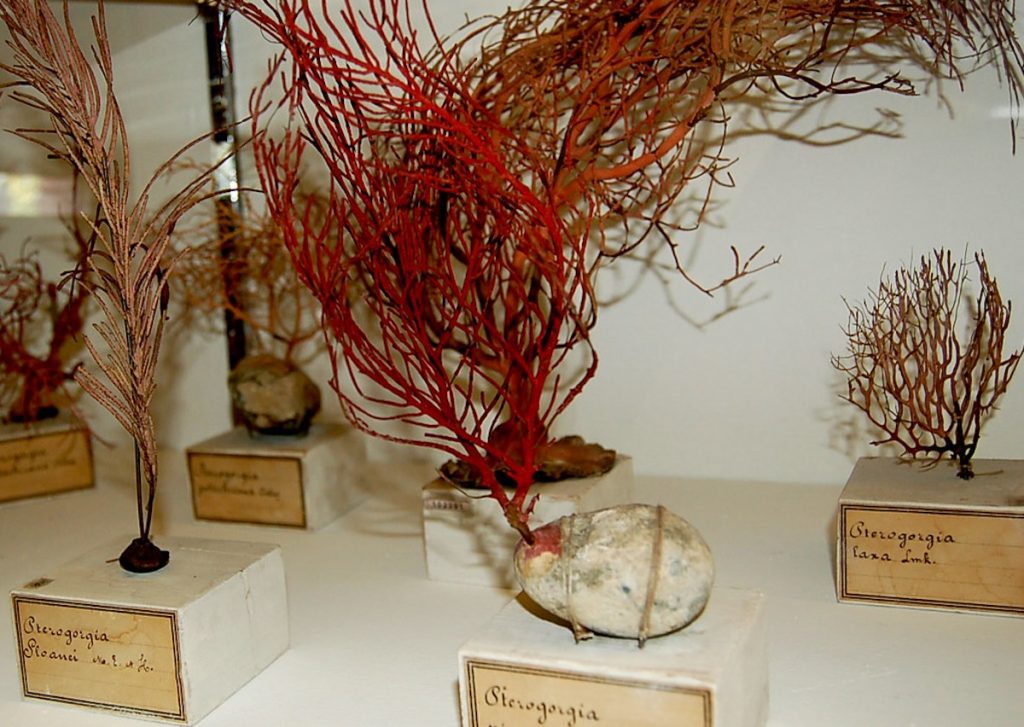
38	325
479	187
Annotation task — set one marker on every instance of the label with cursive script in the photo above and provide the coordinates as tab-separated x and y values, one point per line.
247	488
43	464
101	656
932	557
514	695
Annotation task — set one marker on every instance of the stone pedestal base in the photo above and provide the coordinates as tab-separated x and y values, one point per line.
922	537
466	537
44	458
304	482
170	645
524	670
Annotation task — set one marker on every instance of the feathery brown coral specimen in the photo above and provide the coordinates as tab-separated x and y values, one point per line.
54	75
928	387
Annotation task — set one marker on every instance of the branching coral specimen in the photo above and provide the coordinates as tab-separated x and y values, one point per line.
256	283
611	95
40	323
480	186
129	281
925	385
477	292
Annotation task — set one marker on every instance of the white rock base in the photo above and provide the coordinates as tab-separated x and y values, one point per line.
167	646
304	482
523	670
467	540
44	458
922	537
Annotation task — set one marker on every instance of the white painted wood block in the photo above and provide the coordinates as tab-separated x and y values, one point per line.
44	458
167	646
304	482
909	535
523	670
467	540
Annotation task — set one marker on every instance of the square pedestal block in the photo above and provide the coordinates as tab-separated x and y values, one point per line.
167	646
523	670
44	458
466	537
303	482
920	536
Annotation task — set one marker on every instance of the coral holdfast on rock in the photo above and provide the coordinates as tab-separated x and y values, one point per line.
273	396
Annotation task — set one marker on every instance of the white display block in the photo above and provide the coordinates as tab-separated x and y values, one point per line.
467	539
913	535
524	670
167	646
44	458
304	482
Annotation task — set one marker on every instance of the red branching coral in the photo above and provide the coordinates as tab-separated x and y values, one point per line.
479	186
476	290
38	324
922	382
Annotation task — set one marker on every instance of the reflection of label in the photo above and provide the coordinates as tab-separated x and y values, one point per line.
507	695
249	489
104	656
935	557
45	463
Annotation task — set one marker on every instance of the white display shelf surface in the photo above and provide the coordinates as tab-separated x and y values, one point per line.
374	641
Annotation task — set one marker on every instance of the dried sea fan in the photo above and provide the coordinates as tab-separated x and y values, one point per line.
925	362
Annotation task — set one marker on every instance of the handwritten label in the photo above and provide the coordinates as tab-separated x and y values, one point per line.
125	659
939	557
42	464
506	695
248	489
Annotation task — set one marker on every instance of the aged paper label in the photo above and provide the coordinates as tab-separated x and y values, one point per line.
505	695
101	656
939	557
45	463
247	488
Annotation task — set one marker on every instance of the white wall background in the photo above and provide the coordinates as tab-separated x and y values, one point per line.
749	397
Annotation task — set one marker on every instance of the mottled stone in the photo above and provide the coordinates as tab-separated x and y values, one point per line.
273	396
595	571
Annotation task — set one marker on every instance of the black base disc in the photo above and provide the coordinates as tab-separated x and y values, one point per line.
142	556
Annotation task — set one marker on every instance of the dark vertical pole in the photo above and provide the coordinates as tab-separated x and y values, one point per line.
227	179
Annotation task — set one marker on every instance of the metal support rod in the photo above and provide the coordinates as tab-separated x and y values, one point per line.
222	111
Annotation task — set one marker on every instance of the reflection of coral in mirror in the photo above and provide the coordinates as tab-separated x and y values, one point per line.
928	387
237	262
